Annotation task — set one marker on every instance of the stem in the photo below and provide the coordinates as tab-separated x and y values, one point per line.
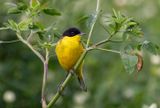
30	46
116	41
30	35
58	94
94	22
108	50
44	105
8	42
104	41
45	63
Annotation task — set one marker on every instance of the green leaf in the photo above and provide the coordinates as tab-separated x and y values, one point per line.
12	25
14	10
51	11
129	60
36	26
18	8
22	6
24	25
34	4
149	46
82	19
41	35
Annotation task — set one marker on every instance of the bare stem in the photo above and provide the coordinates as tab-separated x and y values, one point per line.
108	50
43	99
45	63
30	46
8	42
30	36
58	94
104	41
94	22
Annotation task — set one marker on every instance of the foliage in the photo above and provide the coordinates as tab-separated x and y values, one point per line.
34	29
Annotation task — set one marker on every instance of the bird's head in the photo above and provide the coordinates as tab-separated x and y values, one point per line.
72	32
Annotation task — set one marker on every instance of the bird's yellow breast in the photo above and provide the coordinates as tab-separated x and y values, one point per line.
68	51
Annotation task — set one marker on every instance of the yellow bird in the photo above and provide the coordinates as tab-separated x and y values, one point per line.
68	50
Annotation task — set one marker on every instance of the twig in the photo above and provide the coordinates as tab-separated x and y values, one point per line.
45	62
108	50
30	46
116	41
92	26
8	42
44	105
104	41
30	35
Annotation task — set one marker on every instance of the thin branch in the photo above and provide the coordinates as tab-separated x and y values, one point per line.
104	41
8	42
116	41
30	46
92	26
43	99
108	50
64	84
45	62
30	36
4	28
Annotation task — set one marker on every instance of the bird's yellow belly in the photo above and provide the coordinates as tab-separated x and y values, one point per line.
68	52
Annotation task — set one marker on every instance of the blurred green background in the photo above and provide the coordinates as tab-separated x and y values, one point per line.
109	86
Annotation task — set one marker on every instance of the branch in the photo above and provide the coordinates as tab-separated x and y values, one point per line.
45	72
8	42
30	46
107	50
45	63
30	36
104	41
93	23
64	84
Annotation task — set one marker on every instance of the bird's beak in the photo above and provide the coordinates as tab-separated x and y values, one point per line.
82	33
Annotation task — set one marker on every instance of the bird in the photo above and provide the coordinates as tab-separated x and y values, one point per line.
68	50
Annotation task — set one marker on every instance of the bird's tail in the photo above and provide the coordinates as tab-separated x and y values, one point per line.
80	78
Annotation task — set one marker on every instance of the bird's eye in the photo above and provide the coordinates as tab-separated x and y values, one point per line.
72	33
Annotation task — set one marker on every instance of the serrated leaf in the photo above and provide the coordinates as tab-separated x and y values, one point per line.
14	10
34	4
51	11
129	60
149	46
24	25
